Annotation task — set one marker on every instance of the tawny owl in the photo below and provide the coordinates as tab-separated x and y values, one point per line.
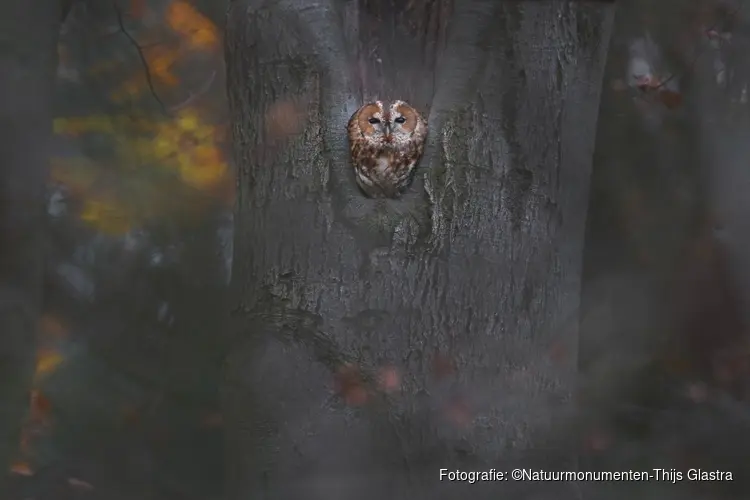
386	142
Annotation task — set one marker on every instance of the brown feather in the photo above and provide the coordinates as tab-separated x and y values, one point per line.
385	153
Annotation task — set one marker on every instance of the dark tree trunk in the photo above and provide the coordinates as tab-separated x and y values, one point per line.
664	331
724	122
464	293
28	60
644	218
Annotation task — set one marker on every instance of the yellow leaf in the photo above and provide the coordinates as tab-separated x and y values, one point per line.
46	362
76	126
188	122
163	147
202	175
107	217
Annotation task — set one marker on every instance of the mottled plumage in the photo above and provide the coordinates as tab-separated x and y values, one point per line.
386	142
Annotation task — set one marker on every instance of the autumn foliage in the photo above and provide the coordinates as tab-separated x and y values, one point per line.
151	150
156	161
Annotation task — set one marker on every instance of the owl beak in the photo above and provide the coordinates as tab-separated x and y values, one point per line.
388	132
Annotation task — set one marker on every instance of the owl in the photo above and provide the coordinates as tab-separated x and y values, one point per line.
386	141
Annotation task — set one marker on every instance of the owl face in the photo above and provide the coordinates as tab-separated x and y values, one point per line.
386	142
393	125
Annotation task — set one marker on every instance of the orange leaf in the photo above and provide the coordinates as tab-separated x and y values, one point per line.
51	326
40	406
161	61
670	98
22	469
191	24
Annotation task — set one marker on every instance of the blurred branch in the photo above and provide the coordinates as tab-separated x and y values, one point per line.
698	51
66	6
138	49
202	90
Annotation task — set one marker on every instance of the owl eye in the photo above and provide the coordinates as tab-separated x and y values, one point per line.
400	119
373	120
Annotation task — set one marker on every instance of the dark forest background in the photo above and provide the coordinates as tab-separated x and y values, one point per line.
138	239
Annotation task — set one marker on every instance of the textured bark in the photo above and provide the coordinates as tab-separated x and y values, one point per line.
28	55
467	288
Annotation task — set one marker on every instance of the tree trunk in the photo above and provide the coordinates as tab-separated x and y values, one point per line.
378	341
28	60
724	122
664	330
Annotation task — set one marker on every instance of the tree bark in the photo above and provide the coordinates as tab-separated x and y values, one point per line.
464	293
28	60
